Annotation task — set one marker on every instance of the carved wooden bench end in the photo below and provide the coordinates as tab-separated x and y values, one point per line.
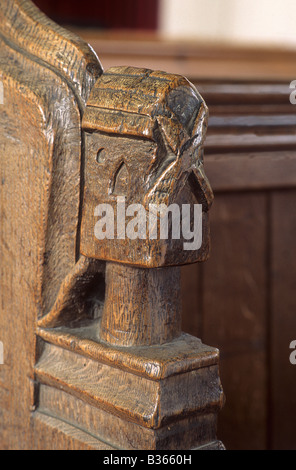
125	200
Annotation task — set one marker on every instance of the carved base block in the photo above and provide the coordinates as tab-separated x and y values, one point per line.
132	398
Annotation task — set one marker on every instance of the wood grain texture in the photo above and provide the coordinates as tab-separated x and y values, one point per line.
150	127
40	145
83	285
29	29
247	92
142	306
191	286
156	362
252	170
144	135
137	155
110	429
52	296
282	328
150	403
53	434
234	314
25	212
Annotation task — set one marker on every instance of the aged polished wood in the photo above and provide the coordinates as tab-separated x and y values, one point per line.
41	158
65	295
144	136
251	164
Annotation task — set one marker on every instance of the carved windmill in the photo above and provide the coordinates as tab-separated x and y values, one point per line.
97	354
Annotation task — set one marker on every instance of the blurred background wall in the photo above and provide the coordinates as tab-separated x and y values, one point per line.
240	54
268	22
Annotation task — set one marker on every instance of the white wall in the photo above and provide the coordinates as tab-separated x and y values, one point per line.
239	21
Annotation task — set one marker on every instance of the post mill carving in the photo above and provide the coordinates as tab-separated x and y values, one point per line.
107	365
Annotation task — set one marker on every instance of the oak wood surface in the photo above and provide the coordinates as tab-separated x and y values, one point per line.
282	327
40	145
52	297
142	306
247	91
123	434
236	315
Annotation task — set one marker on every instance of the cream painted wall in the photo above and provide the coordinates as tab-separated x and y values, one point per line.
239	21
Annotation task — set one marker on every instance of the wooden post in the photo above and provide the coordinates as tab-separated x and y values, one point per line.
142	306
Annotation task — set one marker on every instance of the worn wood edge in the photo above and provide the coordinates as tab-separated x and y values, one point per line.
25	25
11	77
137	399
214	445
128	408
29	85
57	434
10	73
83	269
150	262
186	433
105	426
182	355
52	433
